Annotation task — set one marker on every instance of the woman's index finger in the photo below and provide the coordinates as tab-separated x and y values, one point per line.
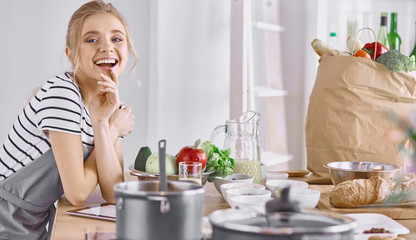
114	77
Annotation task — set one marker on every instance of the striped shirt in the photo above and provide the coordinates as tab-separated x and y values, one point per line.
57	106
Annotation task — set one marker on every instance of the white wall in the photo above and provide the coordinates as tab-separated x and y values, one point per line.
295	49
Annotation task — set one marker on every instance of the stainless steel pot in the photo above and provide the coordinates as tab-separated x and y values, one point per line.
283	221
144	212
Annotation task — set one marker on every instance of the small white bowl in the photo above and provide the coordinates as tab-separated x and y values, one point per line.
237	185
275	175
307	198
236	177
250	192
278	184
256	203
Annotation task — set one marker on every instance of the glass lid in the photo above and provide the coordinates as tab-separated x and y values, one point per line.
283	223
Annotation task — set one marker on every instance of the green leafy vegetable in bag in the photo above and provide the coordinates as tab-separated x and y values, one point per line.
218	161
396	61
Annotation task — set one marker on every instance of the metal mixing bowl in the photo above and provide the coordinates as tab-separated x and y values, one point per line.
343	171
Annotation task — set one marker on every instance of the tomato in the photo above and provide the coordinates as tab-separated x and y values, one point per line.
362	53
192	154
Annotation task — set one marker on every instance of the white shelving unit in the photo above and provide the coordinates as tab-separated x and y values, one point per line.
268	26
245	89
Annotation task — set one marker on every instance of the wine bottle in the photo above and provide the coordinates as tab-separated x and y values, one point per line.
382	32
414	48
394	39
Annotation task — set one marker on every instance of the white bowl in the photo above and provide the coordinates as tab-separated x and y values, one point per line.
246	192
276	175
237	185
236	177
255	203
279	184
307	198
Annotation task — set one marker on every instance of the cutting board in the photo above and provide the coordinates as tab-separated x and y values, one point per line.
392	212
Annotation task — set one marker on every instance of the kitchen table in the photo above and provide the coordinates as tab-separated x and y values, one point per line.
75	228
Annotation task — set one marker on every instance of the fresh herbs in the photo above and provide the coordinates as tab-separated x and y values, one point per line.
218	161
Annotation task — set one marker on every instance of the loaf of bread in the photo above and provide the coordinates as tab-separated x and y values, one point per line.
320	47
358	192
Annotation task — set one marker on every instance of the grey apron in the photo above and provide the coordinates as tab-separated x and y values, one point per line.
27	199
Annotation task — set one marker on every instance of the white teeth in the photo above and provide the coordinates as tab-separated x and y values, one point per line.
107	60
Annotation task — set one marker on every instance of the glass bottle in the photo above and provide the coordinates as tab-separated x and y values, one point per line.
382	32
332	40
414	48
394	39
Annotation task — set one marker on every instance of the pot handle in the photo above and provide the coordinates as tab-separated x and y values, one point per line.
283	204
164	203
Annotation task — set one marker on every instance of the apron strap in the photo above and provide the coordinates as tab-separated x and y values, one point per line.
20	202
52	211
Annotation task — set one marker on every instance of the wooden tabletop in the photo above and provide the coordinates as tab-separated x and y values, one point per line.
75	228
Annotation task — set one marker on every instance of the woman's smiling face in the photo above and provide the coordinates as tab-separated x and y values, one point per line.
103	46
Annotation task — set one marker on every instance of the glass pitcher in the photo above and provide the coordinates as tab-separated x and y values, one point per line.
241	136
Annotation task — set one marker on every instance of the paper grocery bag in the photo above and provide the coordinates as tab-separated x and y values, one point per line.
346	119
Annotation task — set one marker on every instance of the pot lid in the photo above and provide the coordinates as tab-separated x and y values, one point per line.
282	223
282	217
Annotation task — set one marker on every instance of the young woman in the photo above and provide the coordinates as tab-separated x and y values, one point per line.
67	139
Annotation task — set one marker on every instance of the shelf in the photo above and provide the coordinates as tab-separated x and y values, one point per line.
271	158
268	92
268	26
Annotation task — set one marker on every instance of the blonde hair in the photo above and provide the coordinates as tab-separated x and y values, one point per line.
73	36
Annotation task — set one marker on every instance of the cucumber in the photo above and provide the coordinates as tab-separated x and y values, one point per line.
142	156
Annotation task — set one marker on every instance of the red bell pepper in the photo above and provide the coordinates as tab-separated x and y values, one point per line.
380	49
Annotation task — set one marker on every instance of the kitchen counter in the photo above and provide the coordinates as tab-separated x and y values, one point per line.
75	228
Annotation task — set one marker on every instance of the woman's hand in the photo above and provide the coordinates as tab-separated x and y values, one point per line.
106	101
122	122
